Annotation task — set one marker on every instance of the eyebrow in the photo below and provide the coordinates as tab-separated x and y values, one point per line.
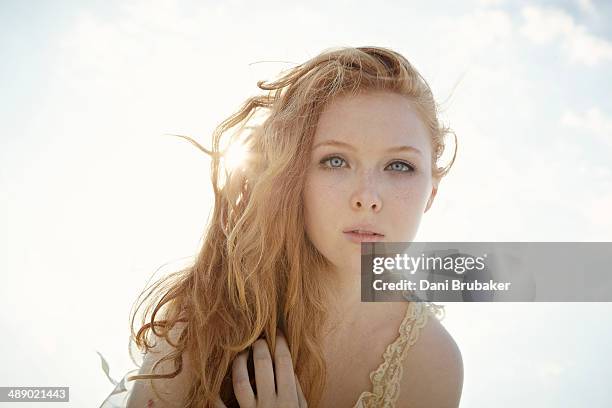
350	147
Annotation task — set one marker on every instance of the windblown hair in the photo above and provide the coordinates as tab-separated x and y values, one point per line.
257	270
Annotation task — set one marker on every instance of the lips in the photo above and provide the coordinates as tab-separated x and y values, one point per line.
363	232
364	229
358	237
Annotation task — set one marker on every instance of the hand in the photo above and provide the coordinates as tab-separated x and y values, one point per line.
289	393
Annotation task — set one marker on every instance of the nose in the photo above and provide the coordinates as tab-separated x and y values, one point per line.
366	196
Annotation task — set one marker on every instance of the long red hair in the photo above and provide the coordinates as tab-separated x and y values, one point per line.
257	270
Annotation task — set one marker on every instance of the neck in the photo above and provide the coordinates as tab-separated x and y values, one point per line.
348	312
345	306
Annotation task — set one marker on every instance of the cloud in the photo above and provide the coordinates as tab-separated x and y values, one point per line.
593	121
491	2
474	33
544	26
587	7
548	369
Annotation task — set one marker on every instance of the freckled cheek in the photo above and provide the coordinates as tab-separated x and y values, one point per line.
323	199
405	193
328	187
406	208
333	189
330	183
408	192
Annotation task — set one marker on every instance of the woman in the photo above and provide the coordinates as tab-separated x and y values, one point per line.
347	151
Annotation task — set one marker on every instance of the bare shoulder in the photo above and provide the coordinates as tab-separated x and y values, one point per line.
432	371
173	391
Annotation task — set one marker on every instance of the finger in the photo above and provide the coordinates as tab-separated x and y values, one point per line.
301	399
283	369
240	381
264	373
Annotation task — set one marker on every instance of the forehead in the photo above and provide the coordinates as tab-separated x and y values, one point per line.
373	119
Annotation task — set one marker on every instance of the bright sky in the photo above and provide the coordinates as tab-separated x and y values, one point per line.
94	199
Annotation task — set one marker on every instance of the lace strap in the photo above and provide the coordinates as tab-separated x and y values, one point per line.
386	378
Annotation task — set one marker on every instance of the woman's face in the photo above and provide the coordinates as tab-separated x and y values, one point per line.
358	175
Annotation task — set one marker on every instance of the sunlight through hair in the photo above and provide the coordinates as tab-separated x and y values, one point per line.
235	157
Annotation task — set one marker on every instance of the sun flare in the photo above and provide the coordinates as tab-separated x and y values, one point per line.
235	157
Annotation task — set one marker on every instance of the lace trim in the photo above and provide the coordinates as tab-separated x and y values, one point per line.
386	378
